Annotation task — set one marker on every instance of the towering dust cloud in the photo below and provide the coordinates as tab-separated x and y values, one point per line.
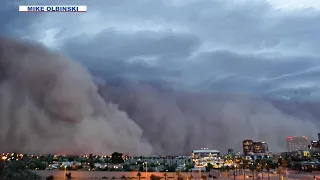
177	122
49	104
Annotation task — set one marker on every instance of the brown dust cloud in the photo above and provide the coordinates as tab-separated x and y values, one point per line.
50	104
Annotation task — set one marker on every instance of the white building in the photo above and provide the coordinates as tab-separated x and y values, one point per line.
297	143
204	156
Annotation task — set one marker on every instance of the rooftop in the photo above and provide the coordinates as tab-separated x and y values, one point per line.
206	151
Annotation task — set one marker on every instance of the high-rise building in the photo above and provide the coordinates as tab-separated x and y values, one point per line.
296	143
257	147
318	136
247	147
265	147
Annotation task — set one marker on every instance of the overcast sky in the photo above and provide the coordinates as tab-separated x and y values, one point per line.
268	47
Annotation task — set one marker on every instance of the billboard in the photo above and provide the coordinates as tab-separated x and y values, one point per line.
306	153
258	147
247	146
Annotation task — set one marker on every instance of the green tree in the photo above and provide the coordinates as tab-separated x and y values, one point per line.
227	168
82	160
70	159
141	168
80	167
244	166
222	169
188	167
268	166
91	164
39	165
209	167
153	165
24	157
16	170
172	168
49	158
263	164
189	161
116	158
126	167
252	167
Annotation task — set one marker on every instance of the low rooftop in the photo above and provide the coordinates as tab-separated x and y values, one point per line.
206	151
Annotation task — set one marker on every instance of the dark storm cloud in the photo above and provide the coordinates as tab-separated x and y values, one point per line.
202	40
119	45
251	73
137	70
12	22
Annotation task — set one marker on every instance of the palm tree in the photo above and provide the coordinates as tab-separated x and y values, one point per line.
263	166
268	170
237	160
139	175
244	168
252	167
228	168
268	165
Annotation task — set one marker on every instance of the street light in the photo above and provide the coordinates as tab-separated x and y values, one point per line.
65	172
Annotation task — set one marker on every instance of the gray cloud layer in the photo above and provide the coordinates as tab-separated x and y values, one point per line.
246	46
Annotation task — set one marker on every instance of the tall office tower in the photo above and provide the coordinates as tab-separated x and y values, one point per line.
318	136
296	143
257	147
265	147
247	147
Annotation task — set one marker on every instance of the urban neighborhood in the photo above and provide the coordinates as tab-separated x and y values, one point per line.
256	161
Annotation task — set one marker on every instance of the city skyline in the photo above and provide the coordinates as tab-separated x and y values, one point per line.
293	143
